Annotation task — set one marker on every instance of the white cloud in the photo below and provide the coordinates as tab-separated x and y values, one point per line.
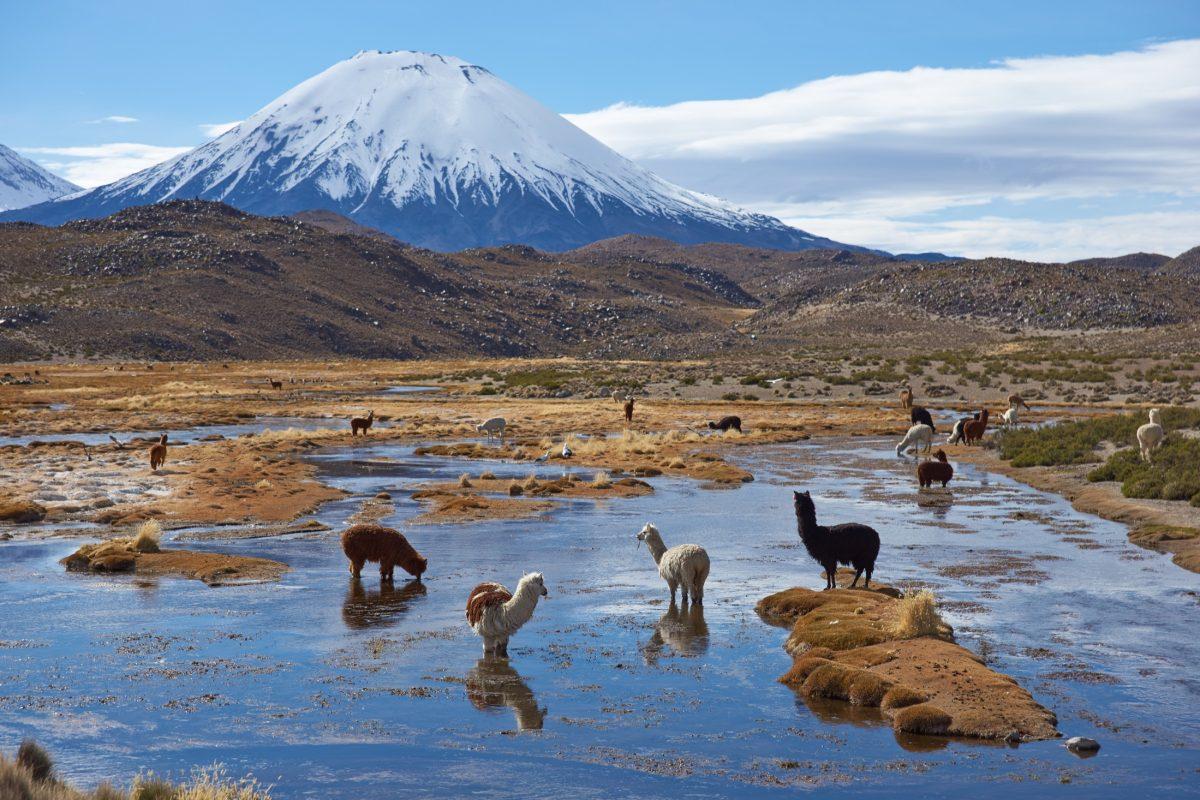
871	158
215	129
115	118
97	165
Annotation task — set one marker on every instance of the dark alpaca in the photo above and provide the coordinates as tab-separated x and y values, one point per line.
158	453
725	423
920	416
629	410
930	471
956	435
276	384
849	543
362	543
362	424
973	430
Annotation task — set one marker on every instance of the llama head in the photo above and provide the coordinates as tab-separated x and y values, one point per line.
712	426
648	533
940	455
1155	417
802	499
536	580
419	565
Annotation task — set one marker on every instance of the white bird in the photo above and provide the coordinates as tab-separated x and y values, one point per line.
567	452
542	458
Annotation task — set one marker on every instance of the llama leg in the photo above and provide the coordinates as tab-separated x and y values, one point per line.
502	647
356	566
673	585
867	582
385	570
858	571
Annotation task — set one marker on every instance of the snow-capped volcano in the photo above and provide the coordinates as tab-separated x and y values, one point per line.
437	152
23	183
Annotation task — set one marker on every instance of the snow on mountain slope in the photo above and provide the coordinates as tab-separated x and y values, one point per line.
437	152
24	183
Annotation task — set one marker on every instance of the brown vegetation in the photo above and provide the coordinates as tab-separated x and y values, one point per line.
214	569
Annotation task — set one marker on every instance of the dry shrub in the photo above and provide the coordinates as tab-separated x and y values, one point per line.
515	489
677	464
531	482
801	669
487	475
917	615
21	511
602	480
263	485
33	758
464	480
924	718
148	536
868	688
901	697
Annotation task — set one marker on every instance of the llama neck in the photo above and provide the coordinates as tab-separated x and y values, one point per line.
656	547
524	601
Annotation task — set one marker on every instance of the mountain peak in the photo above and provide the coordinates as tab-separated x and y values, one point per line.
24	183
435	151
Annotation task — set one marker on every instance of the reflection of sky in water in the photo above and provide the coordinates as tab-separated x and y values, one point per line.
335	690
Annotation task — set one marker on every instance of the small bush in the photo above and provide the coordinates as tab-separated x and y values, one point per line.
148	536
487	475
602	480
917	615
515	489
33	758
464	480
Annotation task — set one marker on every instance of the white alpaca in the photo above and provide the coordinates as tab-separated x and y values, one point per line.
495	613
1009	418
493	427
1150	435
917	436
684	565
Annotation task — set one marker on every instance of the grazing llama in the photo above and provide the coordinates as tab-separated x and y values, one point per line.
906	396
918	437
956	435
1016	401
1009	417
1150	435
973	431
938	471
629	410
493	427
921	416
158	453
495	613
683	565
849	543
375	543
725	423
362	424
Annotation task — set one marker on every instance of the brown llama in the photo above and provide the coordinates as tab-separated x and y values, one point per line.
158	453
362	424
1016	401
375	543
930	471
628	410
275	384
973	430
906	397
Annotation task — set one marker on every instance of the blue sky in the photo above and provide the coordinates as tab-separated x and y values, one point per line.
73	75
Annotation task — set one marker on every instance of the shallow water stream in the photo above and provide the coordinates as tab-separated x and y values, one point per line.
331	689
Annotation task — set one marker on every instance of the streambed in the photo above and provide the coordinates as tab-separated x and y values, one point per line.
330	689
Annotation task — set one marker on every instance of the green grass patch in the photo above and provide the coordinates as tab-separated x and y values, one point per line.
1075	442
1172	474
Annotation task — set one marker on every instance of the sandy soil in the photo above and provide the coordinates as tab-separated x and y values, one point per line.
845	648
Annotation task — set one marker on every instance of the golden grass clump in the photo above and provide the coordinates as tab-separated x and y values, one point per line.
464	480
917	615
263	485
901	696
836	681
602	480
487	475
923	718
515	489
530	483
148	536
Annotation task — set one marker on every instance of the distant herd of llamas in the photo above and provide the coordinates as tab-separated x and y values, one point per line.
495	613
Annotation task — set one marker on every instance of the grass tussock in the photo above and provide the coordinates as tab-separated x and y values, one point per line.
917	615
148	537
922	718
860	687
602	480
515	489
487	475
1075	442
30	776
464	480
901	696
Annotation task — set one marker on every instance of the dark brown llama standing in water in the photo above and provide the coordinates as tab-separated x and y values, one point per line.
930	471
628	410
849	543
362	424
973	431
367	542
158	453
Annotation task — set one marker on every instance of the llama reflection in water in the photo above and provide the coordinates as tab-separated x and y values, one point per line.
682	629
493	684
372	608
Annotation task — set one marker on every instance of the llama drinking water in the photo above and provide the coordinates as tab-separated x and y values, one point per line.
683	565
849	543
495	613
918	437
1150	435
493	427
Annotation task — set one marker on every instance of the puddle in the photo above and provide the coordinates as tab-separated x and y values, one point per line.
328	689
183	435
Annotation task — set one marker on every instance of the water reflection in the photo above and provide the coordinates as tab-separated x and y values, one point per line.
494	684
370	608
682	629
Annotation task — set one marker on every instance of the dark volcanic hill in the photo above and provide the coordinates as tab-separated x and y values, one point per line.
201	280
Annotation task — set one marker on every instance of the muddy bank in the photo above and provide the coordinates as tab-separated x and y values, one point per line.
858	646
214	569
487	497
1160	525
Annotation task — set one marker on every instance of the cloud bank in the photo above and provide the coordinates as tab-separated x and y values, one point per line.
97	165
1050	158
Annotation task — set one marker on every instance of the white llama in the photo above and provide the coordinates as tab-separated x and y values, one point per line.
918	436
495	613
1150	435
1009	417
683	565
493	427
